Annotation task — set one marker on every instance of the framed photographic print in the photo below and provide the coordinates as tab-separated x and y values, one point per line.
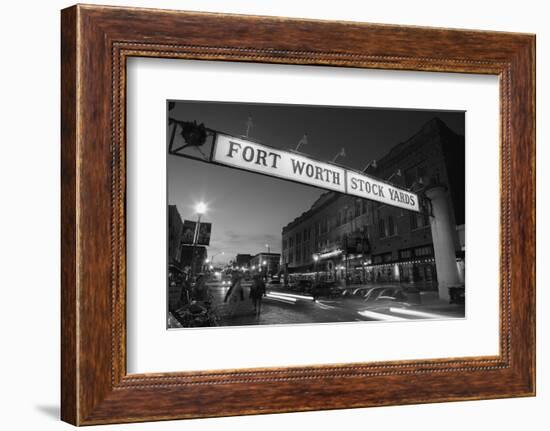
268	215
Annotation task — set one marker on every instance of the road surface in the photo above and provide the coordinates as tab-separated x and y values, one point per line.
281	306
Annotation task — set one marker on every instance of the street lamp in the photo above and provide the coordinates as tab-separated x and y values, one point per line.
211	260
397	173
372	163
200	208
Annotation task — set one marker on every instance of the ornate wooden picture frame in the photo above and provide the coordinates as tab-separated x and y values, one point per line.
96	41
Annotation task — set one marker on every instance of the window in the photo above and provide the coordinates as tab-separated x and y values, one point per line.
420	172
405	254
284	243
391	226
410	176
381	228
324	225
423	251
298	238
414	221
290	242
414	174
298	255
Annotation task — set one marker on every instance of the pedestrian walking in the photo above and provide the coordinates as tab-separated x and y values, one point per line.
200	289
257	292
236	289
185	292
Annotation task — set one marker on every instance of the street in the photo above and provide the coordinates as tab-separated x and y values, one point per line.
283	306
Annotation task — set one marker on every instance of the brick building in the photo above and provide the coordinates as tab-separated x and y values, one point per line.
181	255
175	230
365	241
242	260
272	262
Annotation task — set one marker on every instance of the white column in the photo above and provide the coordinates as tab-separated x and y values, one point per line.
443	240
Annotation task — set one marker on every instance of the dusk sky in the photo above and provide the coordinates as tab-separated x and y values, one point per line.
249	210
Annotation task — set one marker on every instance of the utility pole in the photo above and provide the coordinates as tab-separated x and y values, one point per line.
200	208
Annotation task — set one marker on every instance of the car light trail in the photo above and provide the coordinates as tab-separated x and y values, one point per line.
324	306
280	298
293	295
379	316
422	314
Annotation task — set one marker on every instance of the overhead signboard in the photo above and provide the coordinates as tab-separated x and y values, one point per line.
205	230
255	157
189	230
367	187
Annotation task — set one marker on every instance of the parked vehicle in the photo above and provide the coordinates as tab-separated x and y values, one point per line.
347	292
275	279
373	293
387	296
457	294
360	292
303	286
326	289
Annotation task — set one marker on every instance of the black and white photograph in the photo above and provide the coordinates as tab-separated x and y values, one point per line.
297	214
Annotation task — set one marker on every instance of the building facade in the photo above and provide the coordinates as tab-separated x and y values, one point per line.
344	238
266	262
242	260
175	230
193	257
182	256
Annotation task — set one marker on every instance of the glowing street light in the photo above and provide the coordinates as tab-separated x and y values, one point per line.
200	208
